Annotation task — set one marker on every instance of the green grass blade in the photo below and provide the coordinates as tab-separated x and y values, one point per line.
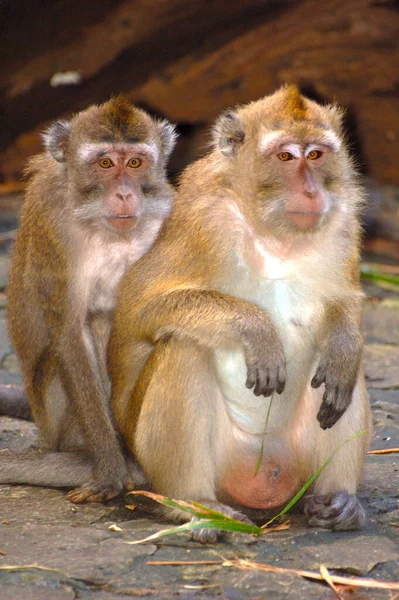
232	525
194	508
307	485
171	503
160	534
259	461
368	273
210	513
237	526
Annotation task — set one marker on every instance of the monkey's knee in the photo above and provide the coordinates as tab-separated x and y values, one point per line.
338	511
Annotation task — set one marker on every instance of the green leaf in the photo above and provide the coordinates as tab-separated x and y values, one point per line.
309	482
368	273
224	525
259	461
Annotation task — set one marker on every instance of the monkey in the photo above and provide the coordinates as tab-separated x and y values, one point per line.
239	329
95	202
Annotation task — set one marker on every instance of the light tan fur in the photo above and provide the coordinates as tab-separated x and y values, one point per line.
232	285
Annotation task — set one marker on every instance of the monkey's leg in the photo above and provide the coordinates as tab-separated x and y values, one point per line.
334	504
14	403
182	428
61	431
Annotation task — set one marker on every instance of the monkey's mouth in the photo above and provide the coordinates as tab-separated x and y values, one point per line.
304	219
122	221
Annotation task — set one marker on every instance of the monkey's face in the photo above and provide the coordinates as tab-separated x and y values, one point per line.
119	184
297	178
112	158
285	155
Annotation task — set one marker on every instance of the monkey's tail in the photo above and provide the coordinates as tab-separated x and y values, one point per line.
48	469
14	403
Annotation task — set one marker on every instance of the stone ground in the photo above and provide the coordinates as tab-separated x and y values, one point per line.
66	552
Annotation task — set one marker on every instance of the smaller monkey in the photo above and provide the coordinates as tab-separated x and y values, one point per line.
95	202
251	288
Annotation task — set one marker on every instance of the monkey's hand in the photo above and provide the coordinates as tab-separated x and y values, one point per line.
265	360
338	370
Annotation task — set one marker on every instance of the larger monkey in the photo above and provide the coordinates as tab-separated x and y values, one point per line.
94	204
253	283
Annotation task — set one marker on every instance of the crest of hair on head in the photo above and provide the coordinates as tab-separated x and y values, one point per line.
119	110
295	107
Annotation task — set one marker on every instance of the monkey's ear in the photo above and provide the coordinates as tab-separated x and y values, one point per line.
228	133
56	139
168	136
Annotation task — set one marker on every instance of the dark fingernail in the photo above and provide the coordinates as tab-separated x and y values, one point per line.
280	387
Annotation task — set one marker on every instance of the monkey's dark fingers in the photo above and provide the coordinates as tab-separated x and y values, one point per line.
205	535
336	400
328	413
280	380
319	378
275	381
262	383
339	511
252	376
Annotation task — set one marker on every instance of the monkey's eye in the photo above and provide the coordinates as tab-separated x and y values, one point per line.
314	154
134	163
105	163
284	156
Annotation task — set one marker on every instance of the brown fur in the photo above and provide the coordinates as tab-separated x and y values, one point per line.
65	267
213	286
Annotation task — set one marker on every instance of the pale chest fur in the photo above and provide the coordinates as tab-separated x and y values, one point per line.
293	289
103	271
101	265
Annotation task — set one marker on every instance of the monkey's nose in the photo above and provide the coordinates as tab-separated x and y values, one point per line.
310	193
124	197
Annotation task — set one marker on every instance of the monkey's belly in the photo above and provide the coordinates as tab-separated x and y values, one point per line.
278	479
245	409
275	483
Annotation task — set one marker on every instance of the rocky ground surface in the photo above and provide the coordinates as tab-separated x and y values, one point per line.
50	548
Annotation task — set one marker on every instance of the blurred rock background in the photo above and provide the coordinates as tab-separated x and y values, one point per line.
189	59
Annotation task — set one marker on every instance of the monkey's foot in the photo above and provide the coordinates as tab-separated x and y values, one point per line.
95	492
210	536
337	511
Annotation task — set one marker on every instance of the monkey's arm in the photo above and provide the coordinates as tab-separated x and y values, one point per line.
213	319
339	365
89	400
